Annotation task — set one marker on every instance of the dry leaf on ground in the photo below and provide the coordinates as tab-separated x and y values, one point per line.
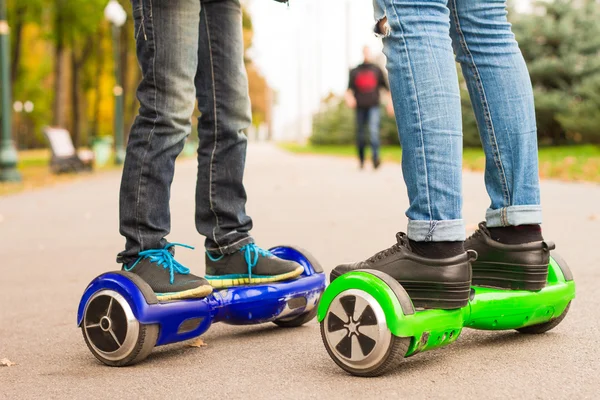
198	343
5	362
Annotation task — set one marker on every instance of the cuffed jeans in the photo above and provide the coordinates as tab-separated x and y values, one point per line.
187	50
421	40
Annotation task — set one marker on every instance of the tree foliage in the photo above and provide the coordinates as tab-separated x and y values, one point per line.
562	48
62	61
336	124
561	45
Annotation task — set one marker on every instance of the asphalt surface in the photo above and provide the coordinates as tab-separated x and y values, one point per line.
55	240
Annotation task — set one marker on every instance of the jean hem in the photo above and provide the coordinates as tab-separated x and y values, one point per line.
514	216
231	248
437	231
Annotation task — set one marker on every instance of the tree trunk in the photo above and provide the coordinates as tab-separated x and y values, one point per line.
16	51
76	134
76	98
99	71
58	107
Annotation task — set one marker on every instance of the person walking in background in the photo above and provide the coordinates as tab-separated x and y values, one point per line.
366	80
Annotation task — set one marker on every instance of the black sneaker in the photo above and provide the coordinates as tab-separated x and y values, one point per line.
508	266
376	163
169	279
431	283
250	265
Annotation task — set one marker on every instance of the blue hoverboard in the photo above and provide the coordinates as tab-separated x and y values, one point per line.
122	320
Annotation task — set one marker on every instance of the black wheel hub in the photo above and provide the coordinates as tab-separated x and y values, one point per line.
106	324
352	327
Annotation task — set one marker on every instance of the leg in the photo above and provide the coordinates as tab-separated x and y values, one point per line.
424	86
361	121
512	254
167	38
374	126
425	91
223	100
232	258
502	98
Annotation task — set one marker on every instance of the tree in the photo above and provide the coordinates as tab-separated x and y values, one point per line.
561	46
260	92
81	19
335	124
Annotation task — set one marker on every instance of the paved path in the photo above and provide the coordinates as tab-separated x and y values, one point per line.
54	241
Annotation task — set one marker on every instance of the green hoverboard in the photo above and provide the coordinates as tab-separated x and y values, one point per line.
369	324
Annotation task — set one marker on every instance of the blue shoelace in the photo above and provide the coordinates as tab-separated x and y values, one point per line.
165	259
251	252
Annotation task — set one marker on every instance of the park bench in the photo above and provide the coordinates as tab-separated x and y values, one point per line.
64	156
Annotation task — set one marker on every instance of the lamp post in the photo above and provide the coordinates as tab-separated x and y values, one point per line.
117	16
8	152
22	107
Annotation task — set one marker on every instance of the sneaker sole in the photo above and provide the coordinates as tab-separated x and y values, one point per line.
219	283
433	295
510	276
195	293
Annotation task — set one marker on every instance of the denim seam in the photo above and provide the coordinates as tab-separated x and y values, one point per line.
432	226
142	28
418	108
483	98
216	130
223	249
137	203
439	73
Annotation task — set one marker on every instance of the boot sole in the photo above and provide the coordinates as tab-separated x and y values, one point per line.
510	276
195	293
433	295
224	282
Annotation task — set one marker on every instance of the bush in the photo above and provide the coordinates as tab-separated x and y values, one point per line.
336	124
560	45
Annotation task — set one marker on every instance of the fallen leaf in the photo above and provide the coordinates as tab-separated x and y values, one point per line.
594	217
198	343
5	362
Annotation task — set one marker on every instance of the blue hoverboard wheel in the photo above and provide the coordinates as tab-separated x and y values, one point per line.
109	325
311	266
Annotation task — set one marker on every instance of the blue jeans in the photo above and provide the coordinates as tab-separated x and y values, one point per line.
419	40
188	50
368	117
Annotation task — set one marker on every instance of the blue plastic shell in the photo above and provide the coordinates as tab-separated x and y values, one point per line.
240	305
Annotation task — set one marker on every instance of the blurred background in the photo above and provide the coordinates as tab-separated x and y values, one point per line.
72	64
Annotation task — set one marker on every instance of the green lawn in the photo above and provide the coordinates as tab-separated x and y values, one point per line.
35	171
572	163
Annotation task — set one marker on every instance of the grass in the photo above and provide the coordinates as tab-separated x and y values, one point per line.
569	163
572	163
35	172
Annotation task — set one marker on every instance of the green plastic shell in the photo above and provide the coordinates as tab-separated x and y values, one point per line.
489	309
